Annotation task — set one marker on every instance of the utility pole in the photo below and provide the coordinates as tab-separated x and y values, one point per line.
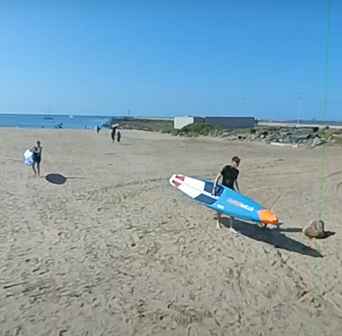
299	109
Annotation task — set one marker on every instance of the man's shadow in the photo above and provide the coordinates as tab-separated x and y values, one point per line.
59	178
273	237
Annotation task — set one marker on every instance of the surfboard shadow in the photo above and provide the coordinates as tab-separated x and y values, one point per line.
273	237
291	229
59	179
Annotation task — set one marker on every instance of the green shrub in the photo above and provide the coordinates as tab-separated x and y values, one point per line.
166	129
197	129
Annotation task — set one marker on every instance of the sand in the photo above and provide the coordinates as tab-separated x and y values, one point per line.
117	251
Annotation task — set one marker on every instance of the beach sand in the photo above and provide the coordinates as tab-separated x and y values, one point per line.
117	251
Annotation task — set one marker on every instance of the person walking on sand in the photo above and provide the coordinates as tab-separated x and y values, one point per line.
36	157
229	175
113	132
118	136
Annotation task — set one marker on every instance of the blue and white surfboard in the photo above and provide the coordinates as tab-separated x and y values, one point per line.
224	200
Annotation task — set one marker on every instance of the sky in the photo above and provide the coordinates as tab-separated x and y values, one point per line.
267	59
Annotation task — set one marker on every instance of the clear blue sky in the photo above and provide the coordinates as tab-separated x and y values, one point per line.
170	57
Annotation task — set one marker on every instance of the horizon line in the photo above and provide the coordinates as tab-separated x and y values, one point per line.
169	116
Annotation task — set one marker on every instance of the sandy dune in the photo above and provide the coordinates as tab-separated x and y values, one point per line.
116	251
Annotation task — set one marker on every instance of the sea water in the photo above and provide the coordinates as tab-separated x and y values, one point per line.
51	121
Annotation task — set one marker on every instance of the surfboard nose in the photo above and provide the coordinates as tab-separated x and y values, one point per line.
177	180
268	217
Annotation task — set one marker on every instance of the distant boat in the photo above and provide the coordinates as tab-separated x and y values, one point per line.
48	118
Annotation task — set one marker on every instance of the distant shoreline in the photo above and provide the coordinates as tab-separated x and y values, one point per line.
161	117
147	123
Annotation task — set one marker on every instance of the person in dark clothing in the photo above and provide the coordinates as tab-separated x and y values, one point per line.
118	136
113	133
229	175
37	157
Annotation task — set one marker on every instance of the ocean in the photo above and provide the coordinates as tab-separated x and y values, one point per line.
52	121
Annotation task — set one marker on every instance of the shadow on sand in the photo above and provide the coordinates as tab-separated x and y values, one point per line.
59	178
327	234
273	237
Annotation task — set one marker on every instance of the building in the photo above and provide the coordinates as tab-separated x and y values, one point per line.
232	122
180	122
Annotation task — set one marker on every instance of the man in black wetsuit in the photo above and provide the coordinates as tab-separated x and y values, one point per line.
37	157
113	132
229	176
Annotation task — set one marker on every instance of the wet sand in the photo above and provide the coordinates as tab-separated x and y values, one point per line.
115	250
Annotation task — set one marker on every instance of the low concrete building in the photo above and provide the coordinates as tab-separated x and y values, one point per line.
232	122
180	122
